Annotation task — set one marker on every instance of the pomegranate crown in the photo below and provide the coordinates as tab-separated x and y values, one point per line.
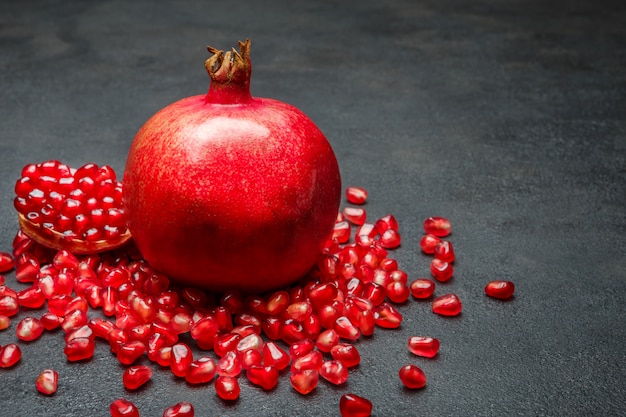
230	67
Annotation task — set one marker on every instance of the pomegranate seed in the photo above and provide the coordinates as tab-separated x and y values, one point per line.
128	352
441	270
10	355
229	365
47	382
301	348
275	356
423	346
398	292
346	330
299	310
355	215
502	290
264	376
304	381
312	360
447	305
412	377
29	329
326	340
390	239
79	349
51	321
27	271
163	356
444	251
227	388
226	343
31	297
352	405
6	262
341	232
182	409
422	288
438	226
334	371
292	331
74	319
5	322
123	408
181	359
136	376
9	306
428	243
277	302
346	354
201	371
250	358
356	195
388	222
387	317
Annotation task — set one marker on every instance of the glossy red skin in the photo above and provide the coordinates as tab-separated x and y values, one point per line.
231	196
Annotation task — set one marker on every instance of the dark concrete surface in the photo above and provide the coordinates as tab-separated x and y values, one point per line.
508	117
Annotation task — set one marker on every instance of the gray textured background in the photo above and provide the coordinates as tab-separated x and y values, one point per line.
508	117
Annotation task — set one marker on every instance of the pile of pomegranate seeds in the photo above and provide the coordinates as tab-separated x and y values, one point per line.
308	329
63	207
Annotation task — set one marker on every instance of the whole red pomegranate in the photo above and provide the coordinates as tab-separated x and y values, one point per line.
229	191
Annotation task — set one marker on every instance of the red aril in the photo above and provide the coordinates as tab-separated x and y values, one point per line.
334	371
6	262
136	376
444	251
355	215
75	209
428	243
441	270
412	377
352	405
29	329
229	365
274	355
387	316
347	354
201	371
123	408
500	289
5	322
447	305
390	239
47	382
227	388
398	292
356	195
181	409
424	346
181	358
422	288
265	376
79	349
213	176
10	355
9	305
304	381
437	226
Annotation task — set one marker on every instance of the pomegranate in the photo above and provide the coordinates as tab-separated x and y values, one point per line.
227	191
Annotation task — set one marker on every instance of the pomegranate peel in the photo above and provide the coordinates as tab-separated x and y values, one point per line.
55	240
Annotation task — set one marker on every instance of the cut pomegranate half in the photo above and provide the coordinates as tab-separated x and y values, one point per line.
80	210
